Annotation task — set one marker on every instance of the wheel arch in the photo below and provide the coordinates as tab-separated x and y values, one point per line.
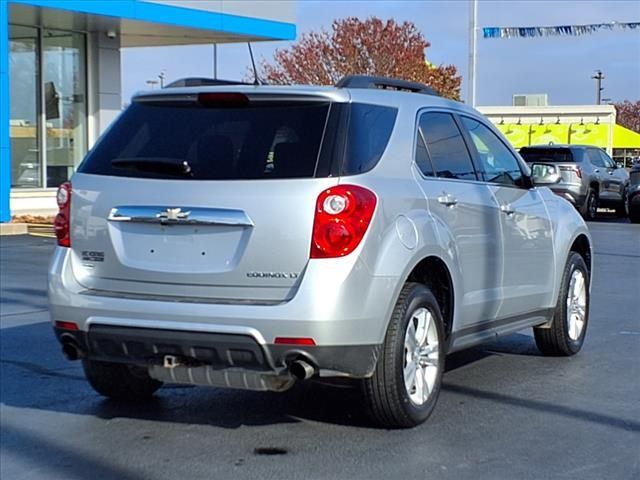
582	246
434	273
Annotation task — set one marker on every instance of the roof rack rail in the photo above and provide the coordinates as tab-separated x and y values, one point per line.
367	81
202	81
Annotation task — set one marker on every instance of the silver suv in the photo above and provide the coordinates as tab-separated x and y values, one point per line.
254	236
587	176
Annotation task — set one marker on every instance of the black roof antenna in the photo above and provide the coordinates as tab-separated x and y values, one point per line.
256	78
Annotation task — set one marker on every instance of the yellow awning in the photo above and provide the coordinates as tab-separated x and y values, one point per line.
589	134
518	135
625	138
549	134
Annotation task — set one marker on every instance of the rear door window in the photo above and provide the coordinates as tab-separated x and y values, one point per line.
446	147
422	157
188	141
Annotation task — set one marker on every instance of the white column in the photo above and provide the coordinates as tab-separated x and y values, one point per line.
104	84
473	50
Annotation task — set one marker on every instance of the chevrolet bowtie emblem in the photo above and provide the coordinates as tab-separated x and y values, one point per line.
173	215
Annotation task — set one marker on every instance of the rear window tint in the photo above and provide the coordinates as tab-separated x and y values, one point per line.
446	147
547	155
253	142
370	127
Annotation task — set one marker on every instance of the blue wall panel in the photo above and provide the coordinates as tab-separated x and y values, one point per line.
5	156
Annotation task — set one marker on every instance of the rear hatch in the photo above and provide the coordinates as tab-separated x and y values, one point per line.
206	196
561	158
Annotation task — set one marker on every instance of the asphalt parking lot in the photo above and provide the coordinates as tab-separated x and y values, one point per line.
505	411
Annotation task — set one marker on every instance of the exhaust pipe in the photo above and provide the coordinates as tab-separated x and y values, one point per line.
71	351
302	370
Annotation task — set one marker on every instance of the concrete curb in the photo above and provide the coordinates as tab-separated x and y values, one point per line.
13	229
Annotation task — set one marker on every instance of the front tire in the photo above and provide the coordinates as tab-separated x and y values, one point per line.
120	381
569	325
405	385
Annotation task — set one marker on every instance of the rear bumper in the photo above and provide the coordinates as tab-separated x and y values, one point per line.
574	193
339	304
231	360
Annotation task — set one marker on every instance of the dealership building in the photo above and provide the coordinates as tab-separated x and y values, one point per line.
60	82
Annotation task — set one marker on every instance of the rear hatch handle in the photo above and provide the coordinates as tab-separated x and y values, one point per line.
179	215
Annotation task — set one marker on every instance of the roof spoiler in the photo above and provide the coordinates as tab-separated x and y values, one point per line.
203	81
367	81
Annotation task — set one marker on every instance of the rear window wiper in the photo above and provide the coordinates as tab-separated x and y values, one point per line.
160	165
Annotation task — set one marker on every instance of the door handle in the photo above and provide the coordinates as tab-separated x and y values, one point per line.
447	199
596	170
507	208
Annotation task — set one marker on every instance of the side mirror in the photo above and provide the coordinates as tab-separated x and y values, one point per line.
544	174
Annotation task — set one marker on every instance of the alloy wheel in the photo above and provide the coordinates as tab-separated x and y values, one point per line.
421	355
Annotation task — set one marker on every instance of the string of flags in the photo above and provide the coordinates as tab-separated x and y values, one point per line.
520	32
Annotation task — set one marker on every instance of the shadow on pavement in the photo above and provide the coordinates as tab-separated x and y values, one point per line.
73	464
35	375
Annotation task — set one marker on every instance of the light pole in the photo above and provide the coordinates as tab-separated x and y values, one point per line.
162	76
151	83
598	77
473	50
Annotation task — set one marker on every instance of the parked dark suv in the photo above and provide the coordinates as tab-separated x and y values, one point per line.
587	176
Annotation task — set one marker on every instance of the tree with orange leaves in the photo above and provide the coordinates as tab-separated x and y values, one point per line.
361	47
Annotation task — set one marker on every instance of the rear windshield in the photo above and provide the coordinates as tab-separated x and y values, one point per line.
547	155
192	142
256	141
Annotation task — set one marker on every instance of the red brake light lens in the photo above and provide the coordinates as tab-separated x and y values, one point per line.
67	325
343	215
294	341
62	223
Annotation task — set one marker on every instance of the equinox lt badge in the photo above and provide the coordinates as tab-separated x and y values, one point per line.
272	275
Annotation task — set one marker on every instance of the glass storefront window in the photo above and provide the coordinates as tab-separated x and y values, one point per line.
24	129
48	119
64	103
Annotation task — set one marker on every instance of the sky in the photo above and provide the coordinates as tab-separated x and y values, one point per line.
558	66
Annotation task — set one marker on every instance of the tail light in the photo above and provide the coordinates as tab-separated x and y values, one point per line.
310	342
575	170
343	214
62	223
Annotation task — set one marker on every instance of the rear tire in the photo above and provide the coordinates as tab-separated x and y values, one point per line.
405	385
634	215
590	205
571	317
622	210
120	381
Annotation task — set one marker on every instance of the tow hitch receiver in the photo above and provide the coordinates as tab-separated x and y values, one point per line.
171	361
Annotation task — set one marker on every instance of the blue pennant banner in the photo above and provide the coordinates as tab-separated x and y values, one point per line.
520	32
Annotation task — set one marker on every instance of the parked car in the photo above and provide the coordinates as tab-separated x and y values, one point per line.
589	178
254	236
634	194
